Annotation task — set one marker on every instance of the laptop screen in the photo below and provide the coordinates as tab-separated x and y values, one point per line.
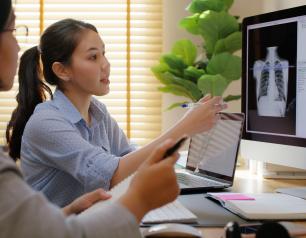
214	153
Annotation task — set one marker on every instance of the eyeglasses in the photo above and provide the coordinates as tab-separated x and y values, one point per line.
19	31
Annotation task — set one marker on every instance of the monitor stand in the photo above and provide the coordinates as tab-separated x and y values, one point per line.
272	160
272	171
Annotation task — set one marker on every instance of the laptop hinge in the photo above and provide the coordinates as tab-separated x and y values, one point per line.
212	178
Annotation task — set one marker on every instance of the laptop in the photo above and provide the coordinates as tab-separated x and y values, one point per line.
212	156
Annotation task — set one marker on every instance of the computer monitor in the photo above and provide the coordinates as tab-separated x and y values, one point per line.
274	87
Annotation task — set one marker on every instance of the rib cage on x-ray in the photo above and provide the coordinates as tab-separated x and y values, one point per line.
271	76
264	81
217	146
279	80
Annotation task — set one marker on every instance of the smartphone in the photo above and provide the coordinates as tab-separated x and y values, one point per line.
175	147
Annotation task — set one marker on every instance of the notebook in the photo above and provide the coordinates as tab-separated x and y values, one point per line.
265	206
171	212
299	192
212	156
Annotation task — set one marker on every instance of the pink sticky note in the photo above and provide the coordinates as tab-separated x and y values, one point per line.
233	196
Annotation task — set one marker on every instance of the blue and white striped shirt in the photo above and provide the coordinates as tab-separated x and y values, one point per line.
64	157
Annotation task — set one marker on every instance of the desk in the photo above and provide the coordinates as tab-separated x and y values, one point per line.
248	183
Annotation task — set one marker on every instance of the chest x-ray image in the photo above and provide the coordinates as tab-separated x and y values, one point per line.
271	86
271	75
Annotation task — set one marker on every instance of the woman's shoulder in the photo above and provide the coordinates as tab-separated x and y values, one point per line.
47	105
44	116
45	110
7	163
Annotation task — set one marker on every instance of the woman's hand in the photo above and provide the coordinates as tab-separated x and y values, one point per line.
201	117
155	183
85	201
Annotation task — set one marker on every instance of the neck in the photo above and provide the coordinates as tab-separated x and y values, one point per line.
81	101
271	56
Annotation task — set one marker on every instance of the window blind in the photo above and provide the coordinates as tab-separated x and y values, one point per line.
138	47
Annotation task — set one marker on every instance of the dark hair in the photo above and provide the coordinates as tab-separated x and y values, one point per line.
5	10
57	44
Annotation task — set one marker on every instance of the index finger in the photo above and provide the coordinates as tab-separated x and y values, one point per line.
97	195
159	151
214	100
205	98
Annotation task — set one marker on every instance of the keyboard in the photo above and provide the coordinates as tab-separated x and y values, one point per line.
193	180
172	212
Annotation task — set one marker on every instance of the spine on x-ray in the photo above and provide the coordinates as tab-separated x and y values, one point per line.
271	75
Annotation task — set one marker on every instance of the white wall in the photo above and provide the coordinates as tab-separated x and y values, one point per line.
273	5
174	11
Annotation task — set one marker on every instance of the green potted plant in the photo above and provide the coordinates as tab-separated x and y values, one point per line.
192	73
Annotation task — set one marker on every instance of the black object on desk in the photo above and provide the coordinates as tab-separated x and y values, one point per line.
209	213
266	230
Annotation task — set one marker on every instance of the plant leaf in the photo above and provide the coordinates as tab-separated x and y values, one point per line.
227	4
229	44
198	6
174	105
176	90
158	70
190	23
186	50
174	62
193	74
231	98
213	84
225	64
214	26
192	89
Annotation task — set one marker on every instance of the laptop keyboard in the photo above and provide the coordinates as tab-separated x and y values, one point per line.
172	212
197	181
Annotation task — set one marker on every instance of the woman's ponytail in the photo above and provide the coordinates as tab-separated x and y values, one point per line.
32	91
57	44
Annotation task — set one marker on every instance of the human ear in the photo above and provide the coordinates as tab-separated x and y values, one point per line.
61	71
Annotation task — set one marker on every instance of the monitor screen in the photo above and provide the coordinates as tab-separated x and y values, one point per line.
274	77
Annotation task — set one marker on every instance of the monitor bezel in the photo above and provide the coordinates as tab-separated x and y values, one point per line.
262	18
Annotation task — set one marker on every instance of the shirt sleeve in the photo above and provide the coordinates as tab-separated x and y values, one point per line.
55	142
25	213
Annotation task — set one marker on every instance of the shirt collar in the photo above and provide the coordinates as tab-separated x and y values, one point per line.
71	113
95	111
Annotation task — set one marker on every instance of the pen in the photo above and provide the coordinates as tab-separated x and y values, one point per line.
175	147
190	105
194	104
